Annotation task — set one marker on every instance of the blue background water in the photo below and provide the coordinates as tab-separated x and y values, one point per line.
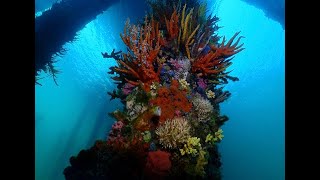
71	116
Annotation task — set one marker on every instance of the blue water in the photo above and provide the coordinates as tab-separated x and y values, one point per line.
71	116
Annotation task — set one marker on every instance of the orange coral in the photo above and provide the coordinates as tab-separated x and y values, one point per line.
144	42
172	25
216	60
171	100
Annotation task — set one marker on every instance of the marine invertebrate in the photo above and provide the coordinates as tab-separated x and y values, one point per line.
216	138
173	133
187	31
146	136
144	121
127	88
216	60
210	94
218	135
168	82
197	169
171	99
158	163
201	163
182	67
202	83
184	84
144	43
117	126
202	109
136	103
192	147
172	25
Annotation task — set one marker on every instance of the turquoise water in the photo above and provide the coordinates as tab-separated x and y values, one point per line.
71	116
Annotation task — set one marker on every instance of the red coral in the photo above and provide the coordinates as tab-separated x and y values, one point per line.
173	25
158	163
144	42
216	60
170	100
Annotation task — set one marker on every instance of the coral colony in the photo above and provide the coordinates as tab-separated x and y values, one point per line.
170	82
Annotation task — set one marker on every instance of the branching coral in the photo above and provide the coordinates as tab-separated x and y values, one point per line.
216	60
201	163
172	25
221	96
173	133
144	43
198	168
205	35
187	31
192	147
216	138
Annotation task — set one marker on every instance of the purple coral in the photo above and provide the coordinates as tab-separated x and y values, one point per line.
202	83
127	89
182	67
176	64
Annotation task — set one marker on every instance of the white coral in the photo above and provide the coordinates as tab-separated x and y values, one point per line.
173	132
202	108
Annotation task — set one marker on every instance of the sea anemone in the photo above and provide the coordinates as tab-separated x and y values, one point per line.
173	132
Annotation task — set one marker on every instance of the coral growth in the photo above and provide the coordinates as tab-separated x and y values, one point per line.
144	44
202	109
169	82
158	163
171	100
173	133
217	60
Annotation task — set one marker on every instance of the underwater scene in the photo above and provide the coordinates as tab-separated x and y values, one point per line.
159	89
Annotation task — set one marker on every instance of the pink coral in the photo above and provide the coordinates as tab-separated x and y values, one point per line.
175	63
117	126
177	113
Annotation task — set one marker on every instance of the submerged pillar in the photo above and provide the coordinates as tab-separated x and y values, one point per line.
59	25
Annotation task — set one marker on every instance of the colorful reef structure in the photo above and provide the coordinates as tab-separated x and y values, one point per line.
171	84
